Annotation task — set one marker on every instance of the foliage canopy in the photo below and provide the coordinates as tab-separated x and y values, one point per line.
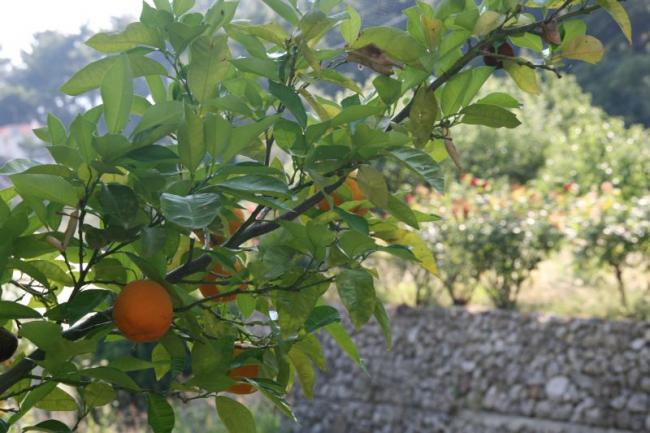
147	186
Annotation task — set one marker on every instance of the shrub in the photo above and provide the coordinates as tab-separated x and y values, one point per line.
607	230
495	237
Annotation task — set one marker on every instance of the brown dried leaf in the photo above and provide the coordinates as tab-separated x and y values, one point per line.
374	58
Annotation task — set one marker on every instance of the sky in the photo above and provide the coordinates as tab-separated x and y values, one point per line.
20	19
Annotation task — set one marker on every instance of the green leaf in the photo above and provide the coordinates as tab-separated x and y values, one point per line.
47	187
191	141
111	146
285	9
156	88
618	12
120	203
33	397
291	100
209	65
489	115
304	370
332	76
242	136
81	133
294	307
586	48
91	76
572	29
181	35
161	360
321	316
310	346
355	112
182	6
501	99
342	338
272	32
402	212
397	44
384	322
193	211
117	94
424	113
525	77
314	24
160	414
355	244
10	310
111	375
355	222
85	302
163	5
258	184
389	89
98	394
129	364
373	185
169	113
57	400
422	164
56	130
528	40
350	28
49	426
263	67
461	89
357	292
235	416
134	35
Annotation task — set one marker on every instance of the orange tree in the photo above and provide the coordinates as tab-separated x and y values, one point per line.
145	187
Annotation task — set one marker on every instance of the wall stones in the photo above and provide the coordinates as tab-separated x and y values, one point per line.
453	371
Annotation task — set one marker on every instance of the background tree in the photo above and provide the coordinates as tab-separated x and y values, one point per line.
30	91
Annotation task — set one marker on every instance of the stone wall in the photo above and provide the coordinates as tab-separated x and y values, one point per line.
455	371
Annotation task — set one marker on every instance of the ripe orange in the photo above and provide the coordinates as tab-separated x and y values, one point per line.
143	311
245	371
234	224
357	194
208	290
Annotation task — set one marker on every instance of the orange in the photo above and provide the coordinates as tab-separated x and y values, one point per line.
245	371
357	194
143	311
208	290
234	224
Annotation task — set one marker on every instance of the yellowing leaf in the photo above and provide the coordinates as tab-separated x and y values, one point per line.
619	14
585	48
432	28
525	77
420	250
487	22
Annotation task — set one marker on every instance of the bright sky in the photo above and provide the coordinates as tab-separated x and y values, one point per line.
20	19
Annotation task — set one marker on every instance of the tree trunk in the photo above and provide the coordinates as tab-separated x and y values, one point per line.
621	284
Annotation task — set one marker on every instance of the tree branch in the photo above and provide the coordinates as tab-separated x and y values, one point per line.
477	49
22	368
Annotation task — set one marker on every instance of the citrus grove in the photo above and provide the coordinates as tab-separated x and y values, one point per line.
202	211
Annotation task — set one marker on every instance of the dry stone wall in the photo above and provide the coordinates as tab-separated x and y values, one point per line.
454	371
